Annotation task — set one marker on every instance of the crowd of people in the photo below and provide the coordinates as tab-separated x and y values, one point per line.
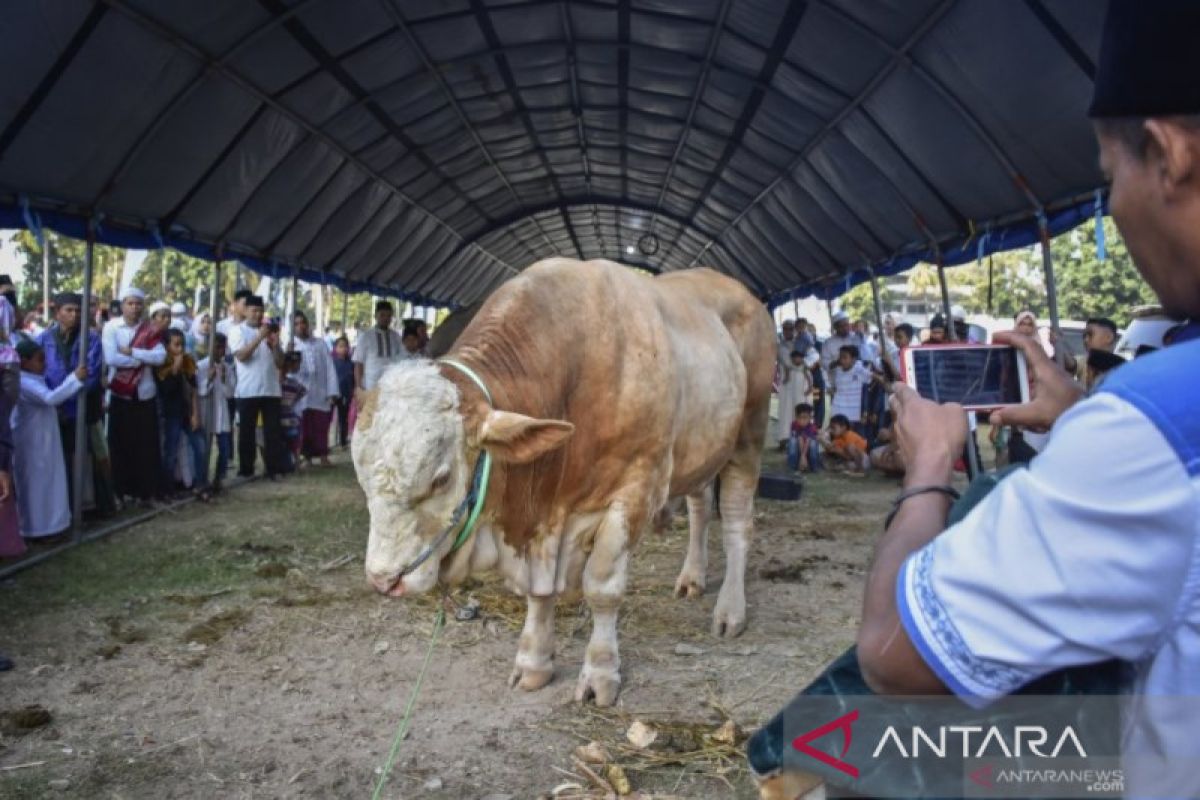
160	397
848	373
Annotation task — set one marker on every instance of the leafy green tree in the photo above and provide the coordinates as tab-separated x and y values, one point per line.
1089	287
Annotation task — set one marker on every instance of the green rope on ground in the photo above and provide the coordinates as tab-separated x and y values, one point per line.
438	623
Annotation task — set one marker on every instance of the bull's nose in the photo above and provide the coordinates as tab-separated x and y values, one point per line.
385	583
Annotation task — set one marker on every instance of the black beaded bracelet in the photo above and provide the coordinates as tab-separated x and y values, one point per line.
945	489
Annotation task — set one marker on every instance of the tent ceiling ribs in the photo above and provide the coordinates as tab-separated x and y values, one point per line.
435	72
51	78
898	56
188	89
484	19
1063	37
784	33
179	42
311	45
714	38
964	113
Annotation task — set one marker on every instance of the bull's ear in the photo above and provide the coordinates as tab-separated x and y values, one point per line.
518	439
369	401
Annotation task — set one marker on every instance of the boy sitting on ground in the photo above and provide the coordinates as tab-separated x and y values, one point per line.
804	446
844	448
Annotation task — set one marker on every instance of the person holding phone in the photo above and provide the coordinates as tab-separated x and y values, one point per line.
1063	564
255	346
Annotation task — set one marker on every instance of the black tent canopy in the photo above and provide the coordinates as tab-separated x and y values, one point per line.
434	148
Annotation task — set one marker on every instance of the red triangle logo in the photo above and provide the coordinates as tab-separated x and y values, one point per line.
842	724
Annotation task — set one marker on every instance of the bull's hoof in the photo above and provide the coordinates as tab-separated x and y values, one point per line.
530	679
601	686
791	786
689	585
729	617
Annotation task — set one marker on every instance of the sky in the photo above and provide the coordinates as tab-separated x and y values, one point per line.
9	264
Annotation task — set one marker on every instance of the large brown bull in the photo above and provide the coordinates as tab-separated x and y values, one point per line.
610	392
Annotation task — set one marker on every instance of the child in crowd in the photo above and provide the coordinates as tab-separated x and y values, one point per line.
291	390
345	376
179	408
847	379
903	335
804	447
216	388
845	448
39	473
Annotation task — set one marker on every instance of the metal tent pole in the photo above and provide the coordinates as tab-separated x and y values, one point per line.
81	438
291	310
46	276
883	349
951	333
1060	349
213	369
345	303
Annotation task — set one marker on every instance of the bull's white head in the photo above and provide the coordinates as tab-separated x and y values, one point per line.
414	457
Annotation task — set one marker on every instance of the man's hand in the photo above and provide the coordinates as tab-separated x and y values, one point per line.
81	372
177	362
125	351
195	421
930	436
6	491
1053	391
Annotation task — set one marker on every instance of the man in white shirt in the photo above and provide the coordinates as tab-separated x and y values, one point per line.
131	350
319	377
831	347
376	349
255	348
1091	553
237	311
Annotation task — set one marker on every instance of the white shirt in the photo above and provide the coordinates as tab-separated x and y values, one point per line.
317	373
258	376
1090	554
225	325
118	334
847	385
214	412
377	349
832	346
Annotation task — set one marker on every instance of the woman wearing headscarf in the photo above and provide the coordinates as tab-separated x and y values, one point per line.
197	336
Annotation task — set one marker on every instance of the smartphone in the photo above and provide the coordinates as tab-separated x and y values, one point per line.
980	377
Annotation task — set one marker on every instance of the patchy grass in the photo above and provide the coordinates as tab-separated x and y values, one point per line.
190	555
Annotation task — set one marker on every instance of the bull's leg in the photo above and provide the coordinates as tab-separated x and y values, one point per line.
604	578
535	652
690	582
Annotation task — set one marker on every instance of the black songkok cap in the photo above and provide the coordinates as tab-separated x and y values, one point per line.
68	299
1103	361
1149	61
253	300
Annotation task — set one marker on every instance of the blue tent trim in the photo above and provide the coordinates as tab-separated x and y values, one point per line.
75	225
966	249
1013	236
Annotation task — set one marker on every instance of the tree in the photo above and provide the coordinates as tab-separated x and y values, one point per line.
859	303
1089	287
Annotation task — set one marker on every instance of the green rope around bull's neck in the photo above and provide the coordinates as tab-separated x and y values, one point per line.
479	490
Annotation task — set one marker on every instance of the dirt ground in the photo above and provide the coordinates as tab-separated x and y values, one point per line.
235	651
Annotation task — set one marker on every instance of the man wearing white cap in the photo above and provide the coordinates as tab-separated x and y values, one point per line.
840	337
180	320
132	344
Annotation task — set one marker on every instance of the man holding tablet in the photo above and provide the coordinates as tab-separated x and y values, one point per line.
1064	564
